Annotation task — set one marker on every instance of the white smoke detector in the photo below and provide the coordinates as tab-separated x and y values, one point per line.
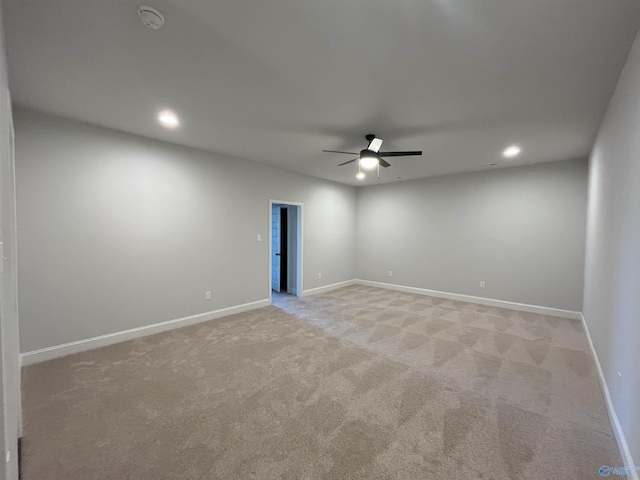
151	17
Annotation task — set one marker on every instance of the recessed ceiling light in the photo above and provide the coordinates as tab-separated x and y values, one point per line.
360	176
511	151
168	119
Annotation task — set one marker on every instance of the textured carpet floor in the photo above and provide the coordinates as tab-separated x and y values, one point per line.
358	383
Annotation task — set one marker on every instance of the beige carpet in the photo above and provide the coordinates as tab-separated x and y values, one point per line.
359	383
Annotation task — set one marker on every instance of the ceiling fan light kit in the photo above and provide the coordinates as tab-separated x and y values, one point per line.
368	160
371	157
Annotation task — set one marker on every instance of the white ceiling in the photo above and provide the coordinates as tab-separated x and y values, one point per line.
277	81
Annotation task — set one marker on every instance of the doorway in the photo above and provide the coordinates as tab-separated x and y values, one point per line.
285	259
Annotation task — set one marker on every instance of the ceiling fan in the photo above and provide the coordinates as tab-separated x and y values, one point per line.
371	157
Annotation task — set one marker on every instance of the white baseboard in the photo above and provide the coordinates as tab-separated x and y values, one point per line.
327	288
491	302
57	351
613	416
50	353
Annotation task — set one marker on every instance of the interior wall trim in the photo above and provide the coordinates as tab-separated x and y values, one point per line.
613	416
49	353
326	288
58	351
522	307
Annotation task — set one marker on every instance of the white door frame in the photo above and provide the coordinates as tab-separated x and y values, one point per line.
300	242
276	251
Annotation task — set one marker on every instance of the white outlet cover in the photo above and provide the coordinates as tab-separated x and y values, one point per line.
259	238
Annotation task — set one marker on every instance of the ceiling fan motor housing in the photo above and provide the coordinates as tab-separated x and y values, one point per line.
367	153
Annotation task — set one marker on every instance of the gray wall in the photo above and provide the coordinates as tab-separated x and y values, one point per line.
612	266
9	354
117	231
521	230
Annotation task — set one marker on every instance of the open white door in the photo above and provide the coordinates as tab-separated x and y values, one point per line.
275	248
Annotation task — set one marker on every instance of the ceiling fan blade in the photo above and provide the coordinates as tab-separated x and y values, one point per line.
375	144
338	151
352	160
399	154
384	163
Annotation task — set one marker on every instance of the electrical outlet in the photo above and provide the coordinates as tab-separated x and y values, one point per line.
482	284
258	238
207	295
390	273
319	275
